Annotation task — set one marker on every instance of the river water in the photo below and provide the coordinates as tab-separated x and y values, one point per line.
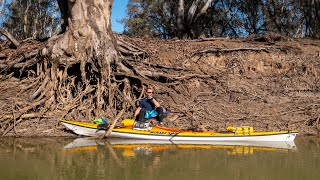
63	158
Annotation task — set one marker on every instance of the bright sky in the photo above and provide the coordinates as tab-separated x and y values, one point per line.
118	12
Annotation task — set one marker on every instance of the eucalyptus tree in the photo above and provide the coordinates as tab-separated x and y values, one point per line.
281	16
194	18
138	22
188	15
2	9
310	12
251	16
147	17
31	18
168	18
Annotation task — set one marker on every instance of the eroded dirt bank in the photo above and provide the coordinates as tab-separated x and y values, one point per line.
271	85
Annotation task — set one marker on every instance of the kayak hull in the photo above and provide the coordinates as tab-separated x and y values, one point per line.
161	133
270	137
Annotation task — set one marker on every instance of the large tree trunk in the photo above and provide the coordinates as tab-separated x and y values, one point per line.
87	46
88	35
78	74
63	5
180	18
184	24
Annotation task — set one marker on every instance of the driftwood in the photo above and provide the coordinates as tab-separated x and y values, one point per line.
108	132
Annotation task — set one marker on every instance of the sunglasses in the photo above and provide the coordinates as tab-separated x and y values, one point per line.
149	92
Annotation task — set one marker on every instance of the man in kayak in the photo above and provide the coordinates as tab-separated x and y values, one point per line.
149	107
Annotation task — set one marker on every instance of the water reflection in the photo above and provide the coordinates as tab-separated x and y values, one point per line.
131	148
60	158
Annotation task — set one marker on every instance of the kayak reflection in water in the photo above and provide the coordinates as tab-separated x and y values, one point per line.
135	148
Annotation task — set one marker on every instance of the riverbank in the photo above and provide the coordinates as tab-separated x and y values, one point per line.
272	84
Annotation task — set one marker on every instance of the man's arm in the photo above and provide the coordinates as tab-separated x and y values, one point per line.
155	102
136	112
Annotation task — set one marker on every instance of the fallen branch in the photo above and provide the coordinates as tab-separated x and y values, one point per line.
173	77
107	134
219	50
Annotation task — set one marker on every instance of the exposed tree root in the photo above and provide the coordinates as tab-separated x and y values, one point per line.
128	49
212	91
218	50
10	37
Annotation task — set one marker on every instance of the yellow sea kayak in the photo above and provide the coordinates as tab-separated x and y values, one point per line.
172	134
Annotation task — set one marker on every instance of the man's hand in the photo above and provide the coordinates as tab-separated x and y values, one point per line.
150	97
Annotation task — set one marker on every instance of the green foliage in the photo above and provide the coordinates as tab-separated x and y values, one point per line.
236	18
31	18
148	18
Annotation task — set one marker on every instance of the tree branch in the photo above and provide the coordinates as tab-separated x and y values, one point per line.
10	37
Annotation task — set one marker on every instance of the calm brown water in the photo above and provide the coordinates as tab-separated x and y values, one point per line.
57	158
